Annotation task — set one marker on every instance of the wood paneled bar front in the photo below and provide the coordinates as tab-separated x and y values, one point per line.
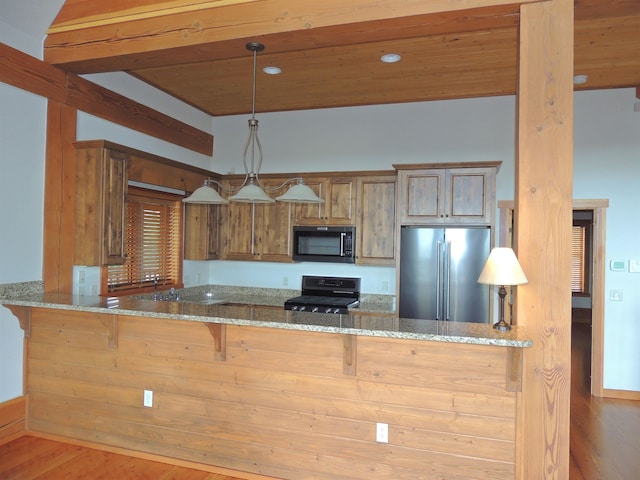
262	390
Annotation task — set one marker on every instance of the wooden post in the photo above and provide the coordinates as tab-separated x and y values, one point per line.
544	169
59	200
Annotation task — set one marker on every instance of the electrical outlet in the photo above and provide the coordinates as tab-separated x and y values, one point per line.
385	286
147	400
615	295
285	281
382	433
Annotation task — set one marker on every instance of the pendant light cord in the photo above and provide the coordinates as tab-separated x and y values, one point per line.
253	139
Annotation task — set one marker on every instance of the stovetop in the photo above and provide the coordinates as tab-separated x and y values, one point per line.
326	295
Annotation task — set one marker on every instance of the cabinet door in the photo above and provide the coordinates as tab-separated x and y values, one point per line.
201	232
114	194
101	185
311	213
470	195
273	228
238	229
338	208
421	199
257	231
376	220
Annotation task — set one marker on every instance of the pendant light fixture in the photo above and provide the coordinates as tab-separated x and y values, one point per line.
206	195
251	190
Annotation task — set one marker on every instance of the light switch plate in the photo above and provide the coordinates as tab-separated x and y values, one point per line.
634	266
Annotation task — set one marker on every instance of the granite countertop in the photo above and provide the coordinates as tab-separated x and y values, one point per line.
267	311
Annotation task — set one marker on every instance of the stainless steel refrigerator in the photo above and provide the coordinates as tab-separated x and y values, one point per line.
439	269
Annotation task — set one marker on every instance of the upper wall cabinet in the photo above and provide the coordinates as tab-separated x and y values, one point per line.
101	187
455	194
338	208
256	231
376	213
201	232
103	170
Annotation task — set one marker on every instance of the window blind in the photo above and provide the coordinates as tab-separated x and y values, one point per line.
578	259
152	244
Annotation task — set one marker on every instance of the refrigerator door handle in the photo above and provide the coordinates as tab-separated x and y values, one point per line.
438	280
447	282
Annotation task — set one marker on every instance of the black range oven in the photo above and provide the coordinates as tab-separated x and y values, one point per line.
326	295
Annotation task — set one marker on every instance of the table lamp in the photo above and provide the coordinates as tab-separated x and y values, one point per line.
502	269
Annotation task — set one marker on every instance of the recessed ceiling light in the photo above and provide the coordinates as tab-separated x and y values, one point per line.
390	58
272	70
580	79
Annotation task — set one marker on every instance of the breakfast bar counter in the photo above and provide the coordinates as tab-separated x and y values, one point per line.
250	387
267	311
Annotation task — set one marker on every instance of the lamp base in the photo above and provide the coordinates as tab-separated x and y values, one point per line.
502	326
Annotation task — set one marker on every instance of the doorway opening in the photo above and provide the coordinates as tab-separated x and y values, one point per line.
597	212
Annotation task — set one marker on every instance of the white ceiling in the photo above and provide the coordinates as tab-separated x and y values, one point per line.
33	17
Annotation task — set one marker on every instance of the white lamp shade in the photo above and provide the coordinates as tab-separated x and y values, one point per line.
251	193
300	193
502	268
206	195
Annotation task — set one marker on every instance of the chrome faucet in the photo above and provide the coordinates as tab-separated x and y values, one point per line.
172	296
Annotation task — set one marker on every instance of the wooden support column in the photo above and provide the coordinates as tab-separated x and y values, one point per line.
59	200
543	212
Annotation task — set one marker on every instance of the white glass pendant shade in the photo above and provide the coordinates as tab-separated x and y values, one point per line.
251	193
205	195
300	193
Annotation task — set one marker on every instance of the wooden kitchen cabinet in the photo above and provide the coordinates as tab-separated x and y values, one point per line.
274	226
460	194
101	187
256	231
201	232
339	195
376	217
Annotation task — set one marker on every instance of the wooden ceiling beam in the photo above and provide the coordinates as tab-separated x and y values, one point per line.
32	75
216	30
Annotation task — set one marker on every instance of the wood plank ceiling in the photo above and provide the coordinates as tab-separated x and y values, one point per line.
330	57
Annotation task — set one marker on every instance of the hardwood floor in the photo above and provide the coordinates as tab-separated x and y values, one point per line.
604	432
32	458
604	435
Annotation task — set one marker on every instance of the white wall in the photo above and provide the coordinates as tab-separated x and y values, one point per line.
607	165
22	144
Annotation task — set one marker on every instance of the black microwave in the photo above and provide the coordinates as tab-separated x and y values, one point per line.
324	244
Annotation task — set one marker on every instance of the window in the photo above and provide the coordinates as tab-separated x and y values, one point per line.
580	257
153	243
